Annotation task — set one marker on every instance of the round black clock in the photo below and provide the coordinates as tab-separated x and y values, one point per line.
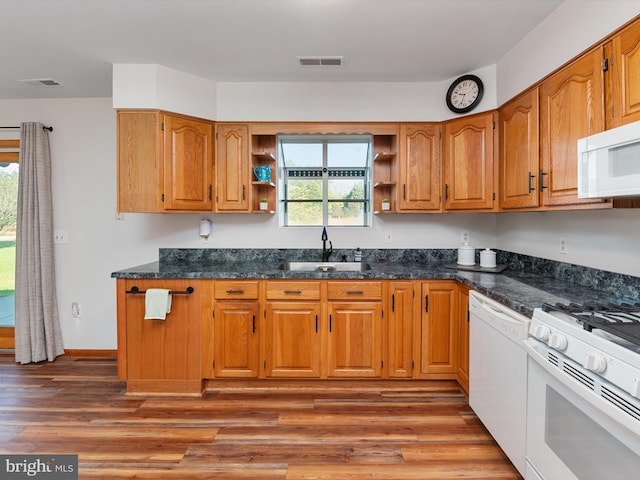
464	94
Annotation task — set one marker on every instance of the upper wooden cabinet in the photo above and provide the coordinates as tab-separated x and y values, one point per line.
232	168
623	77
571	107
518	152
165	162
468	164
419	168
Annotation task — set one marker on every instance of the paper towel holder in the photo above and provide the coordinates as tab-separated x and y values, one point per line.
205	228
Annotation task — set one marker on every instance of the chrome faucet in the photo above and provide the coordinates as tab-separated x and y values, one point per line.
326	253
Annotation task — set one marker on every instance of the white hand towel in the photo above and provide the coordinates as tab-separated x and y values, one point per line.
157	303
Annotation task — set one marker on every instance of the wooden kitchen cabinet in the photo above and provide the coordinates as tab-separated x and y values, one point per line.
518	152
161	356
468	163
232	168
385	172
463	337
165	162
571	107
438	328
292	338
236	329
354	334
399	330
623	77
419	168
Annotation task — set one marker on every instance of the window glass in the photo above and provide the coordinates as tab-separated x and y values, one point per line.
325	180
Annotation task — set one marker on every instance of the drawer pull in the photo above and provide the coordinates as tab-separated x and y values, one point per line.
355	292
293	292
235	291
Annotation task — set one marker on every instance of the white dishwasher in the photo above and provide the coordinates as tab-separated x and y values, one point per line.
498	373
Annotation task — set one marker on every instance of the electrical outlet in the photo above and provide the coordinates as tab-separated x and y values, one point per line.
119	216
388	237
564	248
60	236
464	236
75	310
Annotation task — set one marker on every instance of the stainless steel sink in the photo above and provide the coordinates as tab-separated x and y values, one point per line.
325	266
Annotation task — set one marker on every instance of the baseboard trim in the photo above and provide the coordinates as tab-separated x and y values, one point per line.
91	353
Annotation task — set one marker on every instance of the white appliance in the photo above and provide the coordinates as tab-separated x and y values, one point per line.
609	163
583	404
498	373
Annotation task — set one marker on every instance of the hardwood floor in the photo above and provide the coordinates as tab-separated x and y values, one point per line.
244	430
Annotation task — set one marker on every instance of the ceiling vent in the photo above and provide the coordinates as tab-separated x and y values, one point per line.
42	82
320	61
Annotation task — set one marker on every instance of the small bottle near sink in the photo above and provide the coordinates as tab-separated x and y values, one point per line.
357	257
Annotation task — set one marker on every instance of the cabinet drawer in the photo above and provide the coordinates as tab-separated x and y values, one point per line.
354	290
236	289
293	290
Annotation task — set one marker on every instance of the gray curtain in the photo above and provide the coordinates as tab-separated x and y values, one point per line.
37	327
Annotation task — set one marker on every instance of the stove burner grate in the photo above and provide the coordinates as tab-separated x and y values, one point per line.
620	320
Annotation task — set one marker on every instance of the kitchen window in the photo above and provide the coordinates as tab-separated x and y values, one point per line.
325	180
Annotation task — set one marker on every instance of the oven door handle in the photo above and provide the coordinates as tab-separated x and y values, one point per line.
500	313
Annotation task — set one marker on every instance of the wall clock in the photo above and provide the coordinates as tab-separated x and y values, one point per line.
464	94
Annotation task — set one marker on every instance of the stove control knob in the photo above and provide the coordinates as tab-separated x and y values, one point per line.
541	332
595	362
557	341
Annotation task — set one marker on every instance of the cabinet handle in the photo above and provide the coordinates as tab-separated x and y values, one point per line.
293	292
254	323
243	194
236	292
354	292
393	302
446	191
404	191
426	303
531	188
541	179
210	192
316	323
330	324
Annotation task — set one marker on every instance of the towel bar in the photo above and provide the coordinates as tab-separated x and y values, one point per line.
136	290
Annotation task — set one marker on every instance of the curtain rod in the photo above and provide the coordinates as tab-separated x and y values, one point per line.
18	128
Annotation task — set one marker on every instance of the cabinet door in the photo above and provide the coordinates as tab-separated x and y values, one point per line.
624	77
235	334
463	338
571	107
163	352
399	357
232	161
292	339
469	163
519	158
188	164
355	339
139	163
419	166
438	328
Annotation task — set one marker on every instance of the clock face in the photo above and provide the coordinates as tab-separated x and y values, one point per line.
464	94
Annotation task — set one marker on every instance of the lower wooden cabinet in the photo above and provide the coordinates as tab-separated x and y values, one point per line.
438	328
235	329
355	339
160	356
463	338
292	329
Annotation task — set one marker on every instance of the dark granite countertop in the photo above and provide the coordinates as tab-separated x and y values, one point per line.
516	288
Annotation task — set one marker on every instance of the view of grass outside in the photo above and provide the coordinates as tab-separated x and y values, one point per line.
8	217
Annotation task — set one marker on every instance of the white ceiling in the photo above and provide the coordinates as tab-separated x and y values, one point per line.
76	41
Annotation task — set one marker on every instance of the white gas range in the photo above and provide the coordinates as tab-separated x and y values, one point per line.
583	395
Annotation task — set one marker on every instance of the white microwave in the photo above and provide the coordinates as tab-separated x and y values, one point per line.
609	163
